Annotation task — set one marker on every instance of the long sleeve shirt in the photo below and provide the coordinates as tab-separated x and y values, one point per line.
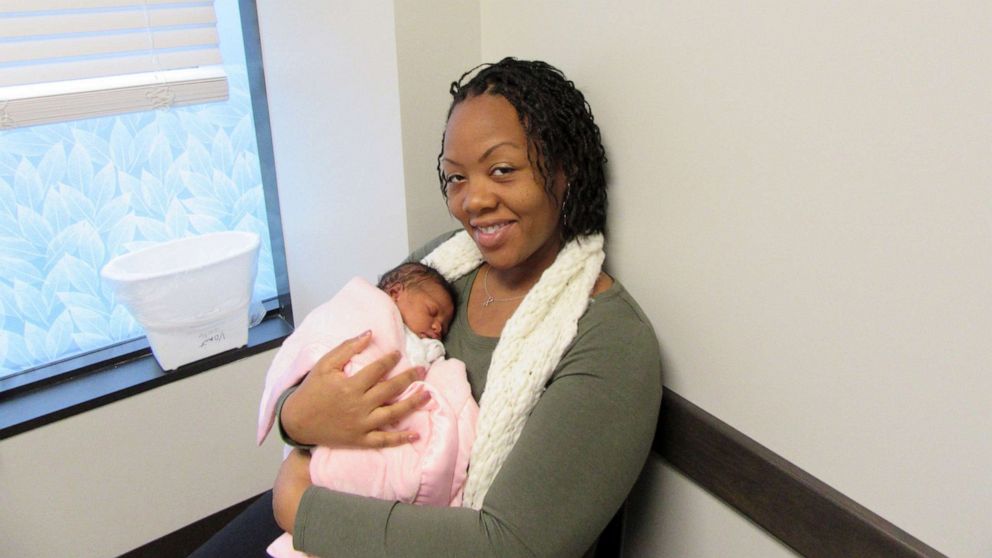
576	460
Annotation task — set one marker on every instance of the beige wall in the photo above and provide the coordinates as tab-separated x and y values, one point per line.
801	203
669	516
332	82
111	479
436	40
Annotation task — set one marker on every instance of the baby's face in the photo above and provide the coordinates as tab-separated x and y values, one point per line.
425	307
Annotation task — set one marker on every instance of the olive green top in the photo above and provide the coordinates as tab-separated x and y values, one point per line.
577	457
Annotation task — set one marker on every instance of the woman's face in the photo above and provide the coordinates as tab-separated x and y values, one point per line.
493	189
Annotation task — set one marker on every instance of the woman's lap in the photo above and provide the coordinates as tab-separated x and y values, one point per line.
246	535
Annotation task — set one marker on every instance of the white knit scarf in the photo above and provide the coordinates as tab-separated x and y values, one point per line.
529	349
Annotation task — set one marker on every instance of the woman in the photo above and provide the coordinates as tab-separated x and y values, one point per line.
562	360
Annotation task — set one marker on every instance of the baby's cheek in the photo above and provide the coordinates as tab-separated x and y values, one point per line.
418	323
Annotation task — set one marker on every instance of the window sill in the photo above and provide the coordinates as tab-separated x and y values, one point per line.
77	393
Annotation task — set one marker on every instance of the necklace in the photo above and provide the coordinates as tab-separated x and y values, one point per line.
489	296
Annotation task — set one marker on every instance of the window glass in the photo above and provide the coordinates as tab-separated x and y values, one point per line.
74	195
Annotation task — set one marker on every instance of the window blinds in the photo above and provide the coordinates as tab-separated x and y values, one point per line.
70	59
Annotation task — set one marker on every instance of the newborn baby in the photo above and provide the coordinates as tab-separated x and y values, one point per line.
410	311
426	303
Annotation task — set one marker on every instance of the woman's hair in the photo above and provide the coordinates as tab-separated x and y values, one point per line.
411	274
560	129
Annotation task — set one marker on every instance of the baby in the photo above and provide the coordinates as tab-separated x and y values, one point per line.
410	311
426	303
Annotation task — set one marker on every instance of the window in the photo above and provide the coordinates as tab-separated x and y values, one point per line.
69	59
75	194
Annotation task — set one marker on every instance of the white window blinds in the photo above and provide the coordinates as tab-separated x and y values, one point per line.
69	59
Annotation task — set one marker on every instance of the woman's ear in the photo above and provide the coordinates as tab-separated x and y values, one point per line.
561	185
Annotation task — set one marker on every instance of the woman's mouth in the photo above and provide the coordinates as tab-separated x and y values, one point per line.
491	235
491	228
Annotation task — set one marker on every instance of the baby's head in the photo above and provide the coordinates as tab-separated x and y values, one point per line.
426	300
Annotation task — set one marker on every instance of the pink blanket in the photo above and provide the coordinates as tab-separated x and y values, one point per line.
429	471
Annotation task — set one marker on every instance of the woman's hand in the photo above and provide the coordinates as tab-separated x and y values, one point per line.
291	482
333	410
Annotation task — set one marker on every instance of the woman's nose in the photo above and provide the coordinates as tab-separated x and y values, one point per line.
478	197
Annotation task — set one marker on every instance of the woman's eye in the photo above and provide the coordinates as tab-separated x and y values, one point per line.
450	179
502	171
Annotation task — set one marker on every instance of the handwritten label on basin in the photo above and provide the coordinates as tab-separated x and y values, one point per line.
211	337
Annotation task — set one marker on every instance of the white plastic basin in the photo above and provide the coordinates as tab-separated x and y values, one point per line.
191	295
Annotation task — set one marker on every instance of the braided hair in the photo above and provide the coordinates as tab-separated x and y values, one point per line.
560	130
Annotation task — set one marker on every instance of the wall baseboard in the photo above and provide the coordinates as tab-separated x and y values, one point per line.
792	505
182	542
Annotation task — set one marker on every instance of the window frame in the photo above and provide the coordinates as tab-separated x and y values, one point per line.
74	385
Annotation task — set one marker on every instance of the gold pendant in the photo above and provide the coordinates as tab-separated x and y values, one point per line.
488	301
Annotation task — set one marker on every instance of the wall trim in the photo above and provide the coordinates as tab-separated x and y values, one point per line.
797	508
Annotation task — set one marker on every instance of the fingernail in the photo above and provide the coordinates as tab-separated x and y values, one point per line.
413	437
421	372
425	396
364	334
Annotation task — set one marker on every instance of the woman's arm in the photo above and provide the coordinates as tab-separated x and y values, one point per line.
577	458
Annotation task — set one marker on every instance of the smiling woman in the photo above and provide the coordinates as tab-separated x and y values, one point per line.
564	364
497	194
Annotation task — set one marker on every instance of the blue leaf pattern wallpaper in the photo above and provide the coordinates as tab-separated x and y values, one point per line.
74	195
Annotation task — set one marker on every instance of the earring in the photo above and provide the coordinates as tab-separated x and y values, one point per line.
564	202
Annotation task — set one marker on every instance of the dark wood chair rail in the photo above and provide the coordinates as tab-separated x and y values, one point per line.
792	505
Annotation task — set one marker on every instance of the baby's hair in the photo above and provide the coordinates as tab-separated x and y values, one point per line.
411	274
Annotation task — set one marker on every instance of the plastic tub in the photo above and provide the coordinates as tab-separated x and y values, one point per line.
191	295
